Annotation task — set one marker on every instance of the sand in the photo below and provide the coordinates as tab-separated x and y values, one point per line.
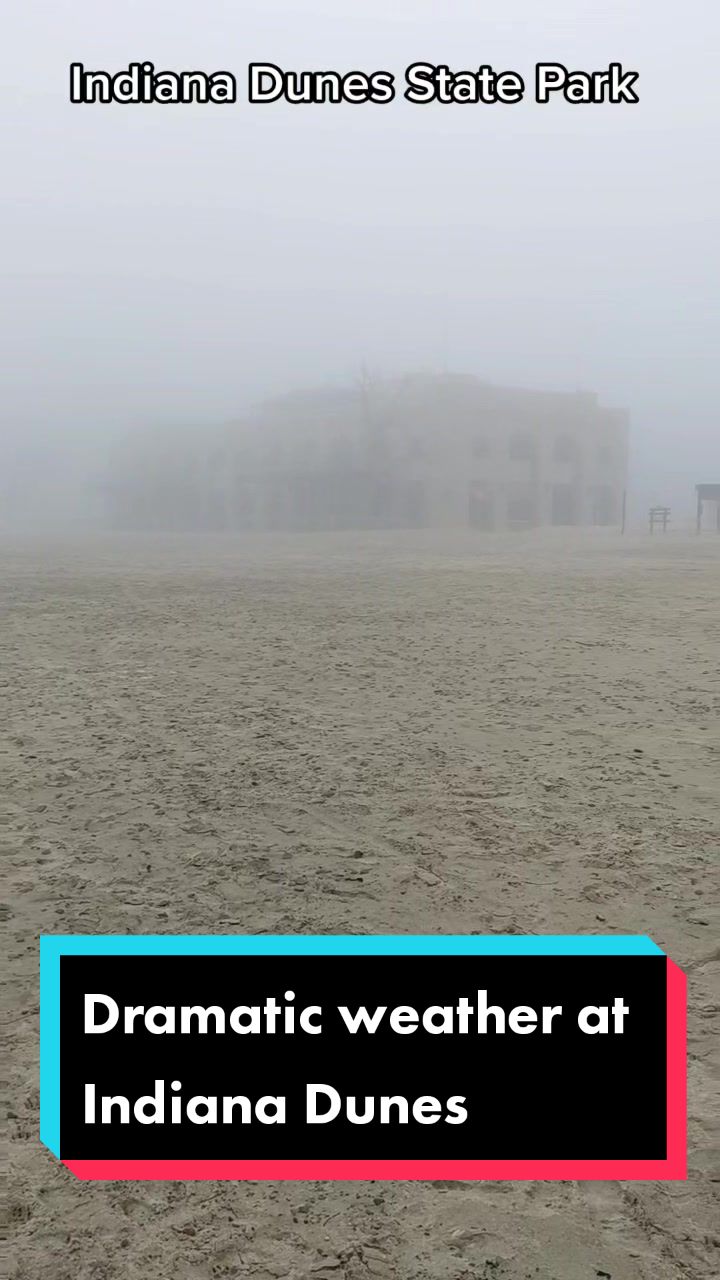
405	732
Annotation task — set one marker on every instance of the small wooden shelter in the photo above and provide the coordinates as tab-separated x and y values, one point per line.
707	493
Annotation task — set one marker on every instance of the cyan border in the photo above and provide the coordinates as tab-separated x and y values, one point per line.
52	947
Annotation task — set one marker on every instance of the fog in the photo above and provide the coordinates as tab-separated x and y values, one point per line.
171	266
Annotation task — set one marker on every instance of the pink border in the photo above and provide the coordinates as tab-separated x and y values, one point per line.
674	1167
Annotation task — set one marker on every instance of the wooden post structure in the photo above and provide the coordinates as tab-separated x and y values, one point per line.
624	510
659	516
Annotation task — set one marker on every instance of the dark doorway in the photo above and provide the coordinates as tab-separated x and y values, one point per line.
564	506
522	512
416	506
481	509
604	506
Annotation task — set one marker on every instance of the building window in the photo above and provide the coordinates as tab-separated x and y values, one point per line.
340	453
564	449
522	447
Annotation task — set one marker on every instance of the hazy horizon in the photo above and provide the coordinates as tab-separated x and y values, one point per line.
178	264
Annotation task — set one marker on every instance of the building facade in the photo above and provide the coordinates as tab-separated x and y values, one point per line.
420	451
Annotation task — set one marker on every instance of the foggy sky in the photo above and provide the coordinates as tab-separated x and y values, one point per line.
174	263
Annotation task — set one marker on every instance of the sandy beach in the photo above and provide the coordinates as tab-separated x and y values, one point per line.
362	733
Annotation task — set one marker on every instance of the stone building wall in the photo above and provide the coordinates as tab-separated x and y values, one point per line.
442	451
